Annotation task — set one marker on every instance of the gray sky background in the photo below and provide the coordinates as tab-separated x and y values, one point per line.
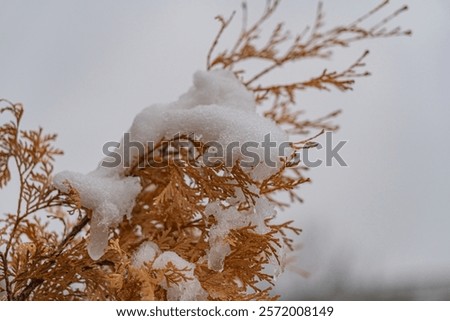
84	69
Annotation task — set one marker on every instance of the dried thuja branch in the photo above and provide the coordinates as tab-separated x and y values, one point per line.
314	42
33	256
191	231
42	264
42	250
32	154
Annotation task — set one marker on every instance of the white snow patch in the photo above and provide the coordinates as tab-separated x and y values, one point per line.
230	218
145	253
189	290
217	108
111	197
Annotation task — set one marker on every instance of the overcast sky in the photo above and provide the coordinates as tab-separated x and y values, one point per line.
84	69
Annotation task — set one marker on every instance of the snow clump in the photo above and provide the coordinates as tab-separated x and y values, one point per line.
189	289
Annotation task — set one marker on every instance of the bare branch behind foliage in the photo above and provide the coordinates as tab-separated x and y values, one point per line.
283	47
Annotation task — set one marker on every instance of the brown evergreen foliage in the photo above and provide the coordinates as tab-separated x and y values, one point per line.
39	262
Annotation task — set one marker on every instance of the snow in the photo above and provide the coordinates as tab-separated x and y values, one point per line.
147	252
218	87
230	218
217	108
111	197
277	264
189	290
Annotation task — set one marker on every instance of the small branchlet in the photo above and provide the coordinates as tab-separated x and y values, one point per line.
314	42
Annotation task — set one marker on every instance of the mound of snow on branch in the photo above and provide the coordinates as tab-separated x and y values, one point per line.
217	108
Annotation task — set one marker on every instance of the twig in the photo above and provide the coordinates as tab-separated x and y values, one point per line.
6	278
224	25
75	230
24	295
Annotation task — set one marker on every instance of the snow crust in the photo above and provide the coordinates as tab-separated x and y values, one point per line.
218	108
111	197
147	252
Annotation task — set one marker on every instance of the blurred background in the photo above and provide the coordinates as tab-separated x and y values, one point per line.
377	229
